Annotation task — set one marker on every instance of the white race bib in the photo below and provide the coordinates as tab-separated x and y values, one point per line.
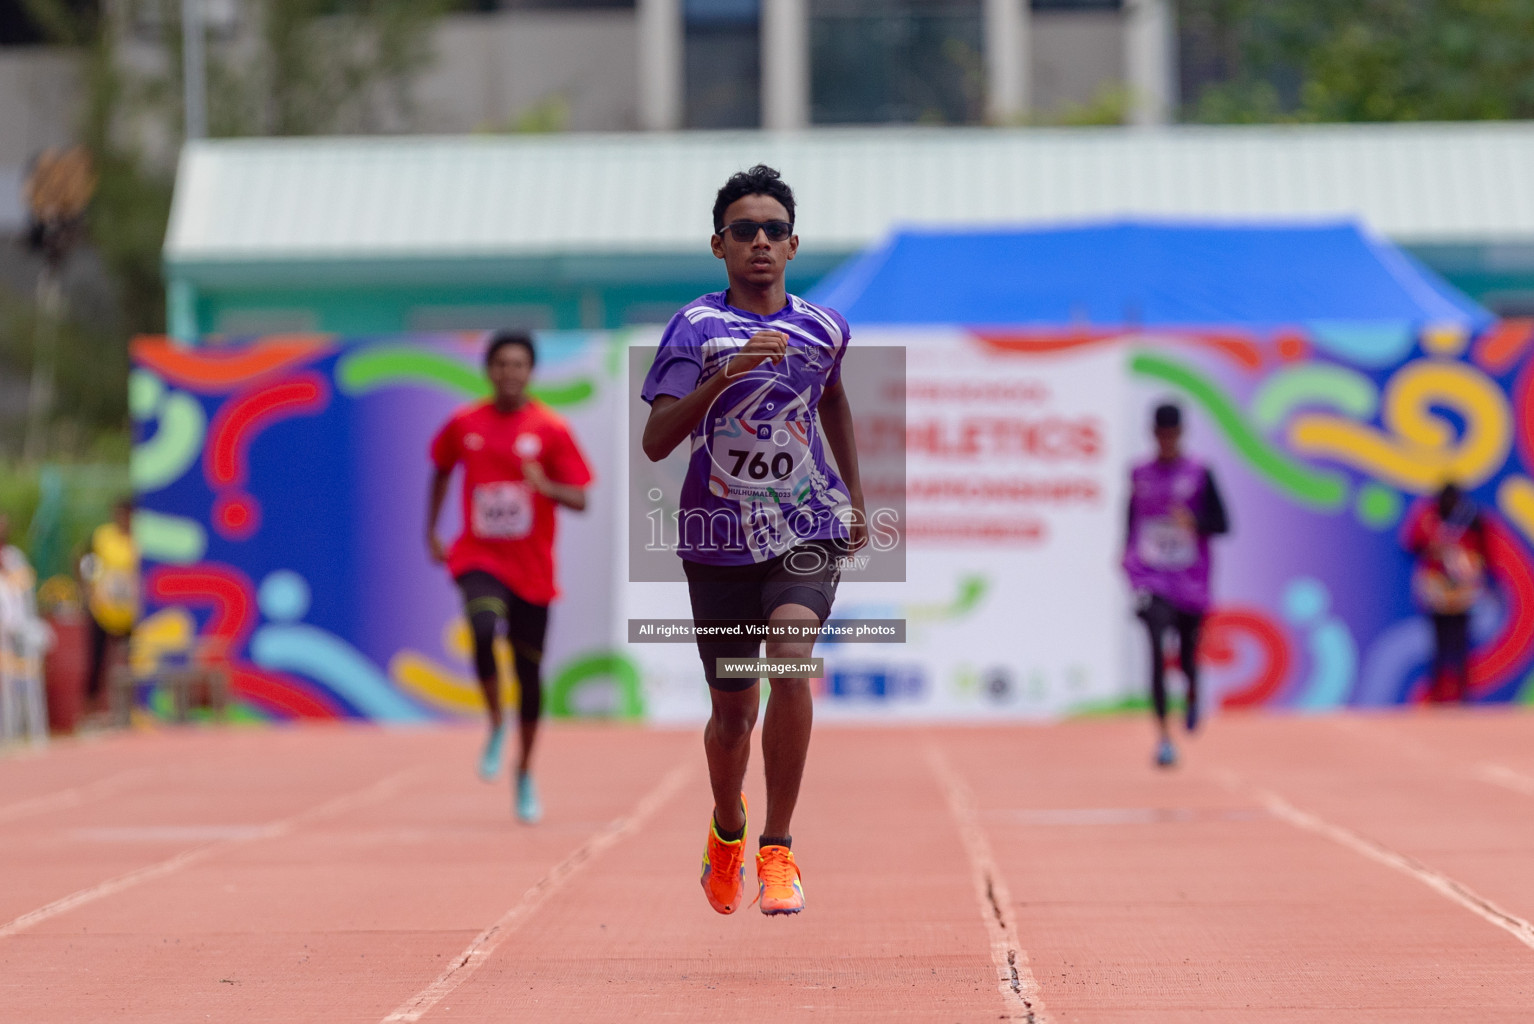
502	511
1167	545
767	459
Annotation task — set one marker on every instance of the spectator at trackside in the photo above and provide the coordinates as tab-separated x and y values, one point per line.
1447	537
110	573
21	631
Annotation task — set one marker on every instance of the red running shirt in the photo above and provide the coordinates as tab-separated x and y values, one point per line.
509	527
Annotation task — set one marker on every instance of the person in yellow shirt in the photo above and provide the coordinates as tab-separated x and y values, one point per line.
110	573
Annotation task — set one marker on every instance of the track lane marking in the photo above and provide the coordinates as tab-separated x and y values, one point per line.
73	796
1485	771
347	801
1500	775
1449	888
1015	981
484	945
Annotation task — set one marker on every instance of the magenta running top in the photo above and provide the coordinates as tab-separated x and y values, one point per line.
1165	557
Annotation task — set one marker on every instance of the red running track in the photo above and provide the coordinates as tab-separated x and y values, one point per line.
1352	868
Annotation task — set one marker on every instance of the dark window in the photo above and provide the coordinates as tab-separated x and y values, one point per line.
543	5
896	61
19	28
1076	5
722	66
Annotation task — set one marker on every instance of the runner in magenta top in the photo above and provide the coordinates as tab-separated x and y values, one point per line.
1174	508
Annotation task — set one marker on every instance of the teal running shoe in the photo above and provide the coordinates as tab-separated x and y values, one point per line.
1166	754
490	760
529	808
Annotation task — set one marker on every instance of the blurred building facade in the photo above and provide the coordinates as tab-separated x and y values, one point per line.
602	230
617	65
543	81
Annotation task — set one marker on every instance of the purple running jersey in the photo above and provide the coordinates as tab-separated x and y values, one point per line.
758	481
1163	556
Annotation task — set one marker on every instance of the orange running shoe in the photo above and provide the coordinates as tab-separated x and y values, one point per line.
724	868
778	875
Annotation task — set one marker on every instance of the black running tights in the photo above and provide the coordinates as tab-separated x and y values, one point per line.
1160	615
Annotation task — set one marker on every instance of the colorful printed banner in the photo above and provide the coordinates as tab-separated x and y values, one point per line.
282	488
1322	440
282	485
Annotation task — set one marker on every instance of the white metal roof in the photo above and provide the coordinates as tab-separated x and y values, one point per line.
415	196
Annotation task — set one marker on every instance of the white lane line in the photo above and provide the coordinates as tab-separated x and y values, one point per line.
1436	880
1486	771
1499	775
74	796
485	943
166	833
348	801
1019	990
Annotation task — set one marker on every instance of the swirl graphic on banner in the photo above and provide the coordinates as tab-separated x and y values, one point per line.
180	427
287	645
1230	630
1419	449
229	598
1333	654
1347	391
385	366
1366	343
236	514
1312	487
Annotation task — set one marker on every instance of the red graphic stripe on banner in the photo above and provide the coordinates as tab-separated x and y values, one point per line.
281	695
1241	349
1503	344
211	370
1489	668
237	422
1523	413
1218	647
222	587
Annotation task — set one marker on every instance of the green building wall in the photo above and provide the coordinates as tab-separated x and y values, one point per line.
384	298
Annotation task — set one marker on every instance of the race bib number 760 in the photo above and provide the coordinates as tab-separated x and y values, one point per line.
761	459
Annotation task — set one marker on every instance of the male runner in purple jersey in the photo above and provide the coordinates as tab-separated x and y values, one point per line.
764	519
1174	508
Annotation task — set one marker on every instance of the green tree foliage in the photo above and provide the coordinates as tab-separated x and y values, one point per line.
293	67
290	67
322	66
1358	60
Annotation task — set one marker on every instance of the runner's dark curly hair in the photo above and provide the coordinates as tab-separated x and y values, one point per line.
760	180
500	339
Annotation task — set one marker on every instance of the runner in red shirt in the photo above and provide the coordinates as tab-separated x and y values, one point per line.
519	462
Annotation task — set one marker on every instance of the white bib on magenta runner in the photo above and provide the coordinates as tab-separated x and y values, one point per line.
1166	544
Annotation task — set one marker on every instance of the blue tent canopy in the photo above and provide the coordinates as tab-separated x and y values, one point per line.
1139	272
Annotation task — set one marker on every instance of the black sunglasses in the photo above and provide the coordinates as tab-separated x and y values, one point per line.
745	230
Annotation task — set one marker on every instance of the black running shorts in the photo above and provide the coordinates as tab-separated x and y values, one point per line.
806	575
526	623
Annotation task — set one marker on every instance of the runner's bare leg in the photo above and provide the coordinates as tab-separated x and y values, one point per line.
727	745
786	732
